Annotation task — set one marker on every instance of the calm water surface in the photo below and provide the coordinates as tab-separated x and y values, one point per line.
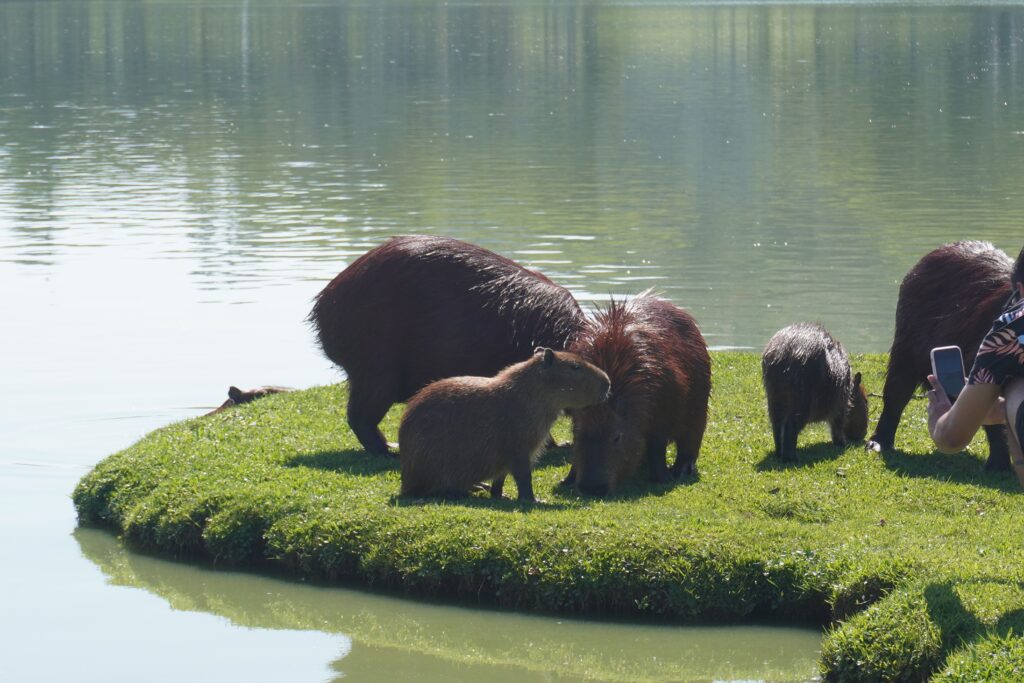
178	179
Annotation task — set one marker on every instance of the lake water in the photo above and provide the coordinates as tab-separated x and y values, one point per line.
179	178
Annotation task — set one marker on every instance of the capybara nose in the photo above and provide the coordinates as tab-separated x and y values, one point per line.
594	489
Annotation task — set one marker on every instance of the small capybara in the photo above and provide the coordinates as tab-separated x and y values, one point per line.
461	431
660	372
421	308
237	396
949	298
806	375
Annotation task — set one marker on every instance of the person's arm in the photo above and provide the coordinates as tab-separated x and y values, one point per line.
952	426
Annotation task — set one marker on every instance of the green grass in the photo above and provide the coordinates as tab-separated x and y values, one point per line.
911	559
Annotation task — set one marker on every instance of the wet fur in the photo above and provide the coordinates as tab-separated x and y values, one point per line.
238	396
949	298
461	431
660	372
807	378
421	308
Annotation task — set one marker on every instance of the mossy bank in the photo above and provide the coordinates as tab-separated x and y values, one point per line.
911	559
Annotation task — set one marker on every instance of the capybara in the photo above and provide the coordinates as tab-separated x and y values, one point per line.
949	298
237	396
806	375
421	308
461	431
660	372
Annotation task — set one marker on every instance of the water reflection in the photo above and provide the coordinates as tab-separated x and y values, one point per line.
387	637
758	164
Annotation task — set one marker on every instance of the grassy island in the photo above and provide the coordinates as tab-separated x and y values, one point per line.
911	560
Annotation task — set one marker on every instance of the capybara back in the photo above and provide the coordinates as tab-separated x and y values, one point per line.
461	431
807	378
421	308
660	374
949	298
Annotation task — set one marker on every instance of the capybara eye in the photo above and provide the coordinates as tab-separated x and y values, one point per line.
575	366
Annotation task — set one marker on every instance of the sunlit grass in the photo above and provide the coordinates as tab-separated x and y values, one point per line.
908	557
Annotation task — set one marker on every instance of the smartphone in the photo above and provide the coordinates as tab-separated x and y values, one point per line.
948	366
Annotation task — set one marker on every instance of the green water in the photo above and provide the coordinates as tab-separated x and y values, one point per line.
179	178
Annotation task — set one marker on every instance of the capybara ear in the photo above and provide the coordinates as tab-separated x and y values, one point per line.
549	358
235	394
856	380
539	350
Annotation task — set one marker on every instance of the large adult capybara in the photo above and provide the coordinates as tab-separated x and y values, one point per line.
949	298
461	431
421	308
807	378
660	372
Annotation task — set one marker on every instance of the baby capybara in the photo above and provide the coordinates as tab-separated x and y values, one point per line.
237	396
806	375
949	298
421	308
660	372
461	431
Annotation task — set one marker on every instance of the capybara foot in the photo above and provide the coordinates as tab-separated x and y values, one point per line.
998	449
661	476
875	446
373	442
570	479
684	469
998	460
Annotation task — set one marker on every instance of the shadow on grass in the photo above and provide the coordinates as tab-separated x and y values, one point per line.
957	624
350	461
477	500
635	488
555	457
805	456
959	468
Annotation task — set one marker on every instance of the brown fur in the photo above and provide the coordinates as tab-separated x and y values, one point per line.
421	308
461	431
660	372
237	396
807	378
949	298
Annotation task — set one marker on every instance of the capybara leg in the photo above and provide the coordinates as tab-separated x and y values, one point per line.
524	479
896	395
777	431
687	450
836	426
570	479
656	447
365	411
790	432
498	486
998	451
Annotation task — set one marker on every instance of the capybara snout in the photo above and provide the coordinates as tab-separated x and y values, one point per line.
807	378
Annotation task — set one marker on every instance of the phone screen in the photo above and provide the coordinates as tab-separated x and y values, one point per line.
948	365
